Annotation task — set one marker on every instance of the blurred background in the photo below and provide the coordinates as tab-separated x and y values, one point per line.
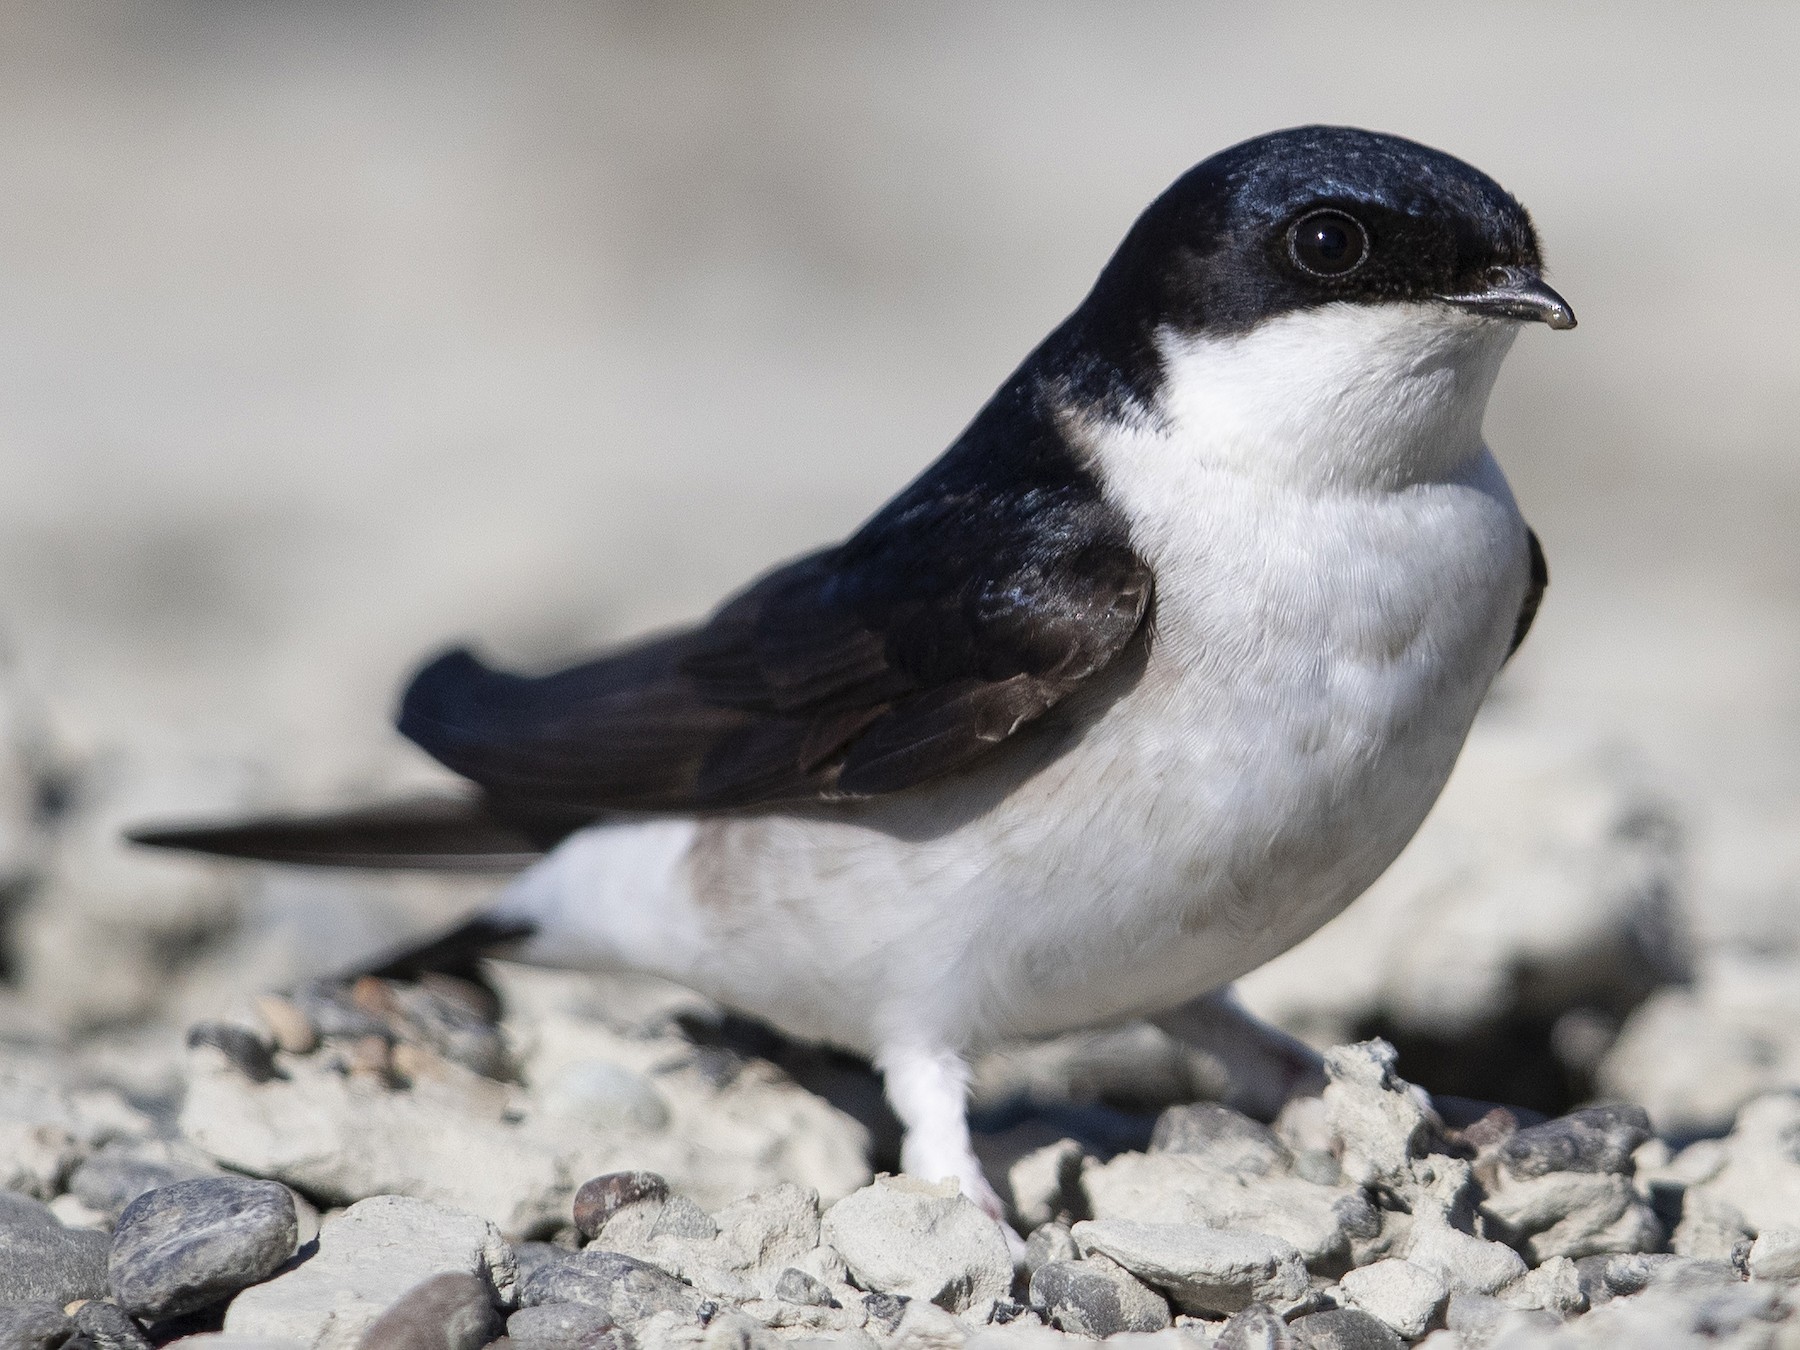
333	332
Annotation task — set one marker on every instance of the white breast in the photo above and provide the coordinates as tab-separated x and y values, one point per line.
1338	568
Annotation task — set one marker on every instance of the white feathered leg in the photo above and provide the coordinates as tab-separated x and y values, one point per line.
929	1091
1265	1066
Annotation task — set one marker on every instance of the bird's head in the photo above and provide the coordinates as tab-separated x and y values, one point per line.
1322	302
1319	216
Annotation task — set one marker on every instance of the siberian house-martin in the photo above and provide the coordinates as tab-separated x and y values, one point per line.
1151	674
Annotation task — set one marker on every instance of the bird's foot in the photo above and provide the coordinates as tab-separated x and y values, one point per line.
1265	1067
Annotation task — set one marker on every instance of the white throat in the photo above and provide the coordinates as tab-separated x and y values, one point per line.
1347	397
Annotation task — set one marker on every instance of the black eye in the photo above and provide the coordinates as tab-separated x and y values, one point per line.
1328	244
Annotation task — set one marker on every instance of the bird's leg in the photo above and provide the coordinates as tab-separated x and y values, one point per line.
929	1091
1265	1066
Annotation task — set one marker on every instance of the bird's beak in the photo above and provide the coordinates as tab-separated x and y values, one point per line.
1516	293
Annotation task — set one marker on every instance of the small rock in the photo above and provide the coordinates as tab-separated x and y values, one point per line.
923	1239
40	1260
1406	1297
1096	1298
1381	1120
885	1311
626	1289
1255	1328
598	1200
120	1172
1756	1169
1049	1242
242	1049
108	1328
1229	1138
445	1312
1711	1228
1203	1270
289	1027
1046	1183
1775	1255
442	1014
1479	1320
1320	1221
34	1326
1572	1214
556	1326
1554	1287
1598	1139
796	1286
1463	1261
369	1256
187	1246
1342	1329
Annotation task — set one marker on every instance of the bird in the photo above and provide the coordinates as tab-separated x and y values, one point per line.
1150	675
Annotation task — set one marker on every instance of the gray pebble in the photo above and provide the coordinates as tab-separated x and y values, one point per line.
598	1200
1228	1137
1049	1242
628	1290
185	1247
796	1286
446	1312
33	1326
885	1310
108	1328
112	1178
1342	1329
1096	1298
243	1050
556	1326
1255	1328
1599	1139
429	1014
40	1260
531	1255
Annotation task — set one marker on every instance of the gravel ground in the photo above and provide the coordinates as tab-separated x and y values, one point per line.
382	1165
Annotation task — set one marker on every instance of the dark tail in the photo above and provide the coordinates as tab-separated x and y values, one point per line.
444	834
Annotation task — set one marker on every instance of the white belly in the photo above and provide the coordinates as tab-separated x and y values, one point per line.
1314	670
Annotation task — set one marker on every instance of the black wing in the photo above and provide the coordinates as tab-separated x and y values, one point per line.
970	606
1534	591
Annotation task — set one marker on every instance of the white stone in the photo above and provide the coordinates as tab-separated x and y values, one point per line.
368	1257
1406	1297
1759	1175
481	1147
1775	1255
1319	1220
1203	1270
1554	1287
1041	1180
1573	1214
922	1239
1381	1121
753	1240
1463	1261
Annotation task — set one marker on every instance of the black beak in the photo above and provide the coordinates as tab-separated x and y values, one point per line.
1516	293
